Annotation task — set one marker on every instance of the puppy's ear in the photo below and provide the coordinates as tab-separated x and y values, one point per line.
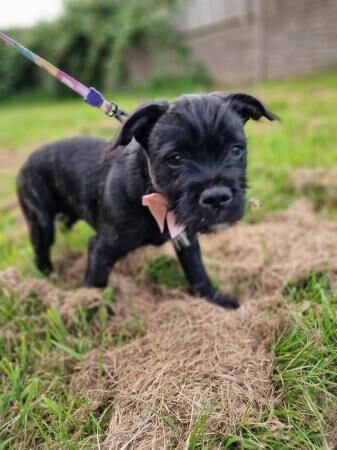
141	123
247	106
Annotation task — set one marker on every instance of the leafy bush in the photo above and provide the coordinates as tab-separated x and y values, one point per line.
90	41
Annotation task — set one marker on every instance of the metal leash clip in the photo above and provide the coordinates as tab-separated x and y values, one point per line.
116	112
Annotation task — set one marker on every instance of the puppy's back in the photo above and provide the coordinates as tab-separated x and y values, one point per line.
70	173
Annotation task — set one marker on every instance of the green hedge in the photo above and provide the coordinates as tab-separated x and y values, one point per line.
90	42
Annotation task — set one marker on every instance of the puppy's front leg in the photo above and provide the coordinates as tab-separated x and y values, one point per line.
191	261
103	253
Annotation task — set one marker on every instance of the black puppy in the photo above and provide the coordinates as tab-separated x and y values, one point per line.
191	151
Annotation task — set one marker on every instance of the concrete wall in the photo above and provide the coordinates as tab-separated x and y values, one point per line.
261	39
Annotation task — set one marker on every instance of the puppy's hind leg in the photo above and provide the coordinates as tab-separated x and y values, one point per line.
40	222
42	232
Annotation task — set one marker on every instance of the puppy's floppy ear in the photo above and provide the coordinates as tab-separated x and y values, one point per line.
248	107
141	123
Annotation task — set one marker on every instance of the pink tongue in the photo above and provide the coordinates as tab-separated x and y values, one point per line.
157	205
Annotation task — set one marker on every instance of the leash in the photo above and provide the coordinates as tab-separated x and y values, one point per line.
90	95
156	203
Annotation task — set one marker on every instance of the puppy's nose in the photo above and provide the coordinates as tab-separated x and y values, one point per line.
216	197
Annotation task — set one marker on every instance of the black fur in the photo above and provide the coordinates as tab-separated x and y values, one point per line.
195	150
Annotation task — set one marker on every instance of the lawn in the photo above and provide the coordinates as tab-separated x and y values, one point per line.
39	350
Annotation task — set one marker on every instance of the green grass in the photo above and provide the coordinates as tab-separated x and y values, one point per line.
36	362
164	271
304	378
305	375
38	350
38	353
305	137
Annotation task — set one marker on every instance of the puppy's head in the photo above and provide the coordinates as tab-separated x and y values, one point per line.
197	154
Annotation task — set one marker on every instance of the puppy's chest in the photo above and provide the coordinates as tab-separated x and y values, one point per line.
148	231
132	224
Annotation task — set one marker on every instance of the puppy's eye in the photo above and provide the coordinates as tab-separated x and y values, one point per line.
174	160
237	151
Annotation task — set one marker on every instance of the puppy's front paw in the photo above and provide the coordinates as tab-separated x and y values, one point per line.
226	301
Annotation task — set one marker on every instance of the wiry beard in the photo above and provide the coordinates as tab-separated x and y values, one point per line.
196	220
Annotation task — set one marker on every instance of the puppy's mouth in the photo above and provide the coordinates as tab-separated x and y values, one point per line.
217	224
214	227
196	220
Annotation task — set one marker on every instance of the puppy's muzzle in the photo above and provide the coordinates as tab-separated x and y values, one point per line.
216	198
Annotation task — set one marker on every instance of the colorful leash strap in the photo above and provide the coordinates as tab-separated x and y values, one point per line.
90	95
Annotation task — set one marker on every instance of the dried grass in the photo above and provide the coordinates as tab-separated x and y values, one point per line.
66	302
332	432
10	206
317	176
194	356
319	184
287	246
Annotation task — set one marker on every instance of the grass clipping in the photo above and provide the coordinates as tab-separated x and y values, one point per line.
196	362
